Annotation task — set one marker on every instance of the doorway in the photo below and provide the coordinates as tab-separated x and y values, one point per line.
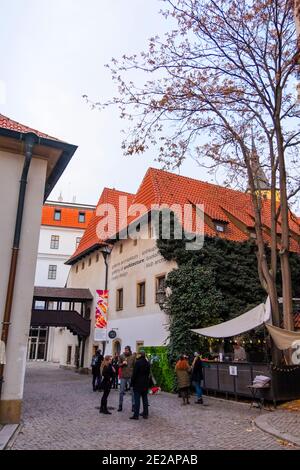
116	347
37	344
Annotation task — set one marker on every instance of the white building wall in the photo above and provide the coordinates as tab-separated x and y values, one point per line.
58	339
58	257
136	263
11	169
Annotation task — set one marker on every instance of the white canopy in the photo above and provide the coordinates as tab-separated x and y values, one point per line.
246	322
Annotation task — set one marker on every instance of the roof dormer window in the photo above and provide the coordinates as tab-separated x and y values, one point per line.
219	227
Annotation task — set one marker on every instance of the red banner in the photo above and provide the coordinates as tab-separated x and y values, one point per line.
101	315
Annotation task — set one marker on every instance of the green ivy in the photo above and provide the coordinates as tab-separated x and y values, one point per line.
212	285
160	367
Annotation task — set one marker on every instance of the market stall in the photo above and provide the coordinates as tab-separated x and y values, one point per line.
235	378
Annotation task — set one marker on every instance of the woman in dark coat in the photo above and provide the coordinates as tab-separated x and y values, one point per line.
140	384
197	377
107	378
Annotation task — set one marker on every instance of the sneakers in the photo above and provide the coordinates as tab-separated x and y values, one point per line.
200	401
120	408
134	417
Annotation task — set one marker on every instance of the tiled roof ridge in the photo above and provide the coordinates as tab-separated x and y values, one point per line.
11	124
195	180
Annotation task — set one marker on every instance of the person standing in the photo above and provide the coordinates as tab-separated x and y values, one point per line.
183	370
140	384
197	377
96	366
107	373
239	352
126	364
115	364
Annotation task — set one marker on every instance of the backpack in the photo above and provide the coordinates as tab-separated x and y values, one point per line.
94	361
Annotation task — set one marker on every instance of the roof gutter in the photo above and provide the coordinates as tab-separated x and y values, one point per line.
30	140
68	151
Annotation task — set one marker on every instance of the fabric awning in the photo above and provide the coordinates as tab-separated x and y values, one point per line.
284	339
245	322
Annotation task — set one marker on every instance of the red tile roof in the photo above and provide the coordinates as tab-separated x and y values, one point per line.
7	123
69	216
220	204
90	238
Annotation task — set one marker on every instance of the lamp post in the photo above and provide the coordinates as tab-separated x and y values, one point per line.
105	250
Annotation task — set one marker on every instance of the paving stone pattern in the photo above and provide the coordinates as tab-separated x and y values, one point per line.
60	413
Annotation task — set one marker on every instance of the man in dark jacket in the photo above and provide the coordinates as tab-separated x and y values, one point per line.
140	384
96	365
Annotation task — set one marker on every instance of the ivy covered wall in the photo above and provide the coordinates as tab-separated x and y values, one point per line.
212	285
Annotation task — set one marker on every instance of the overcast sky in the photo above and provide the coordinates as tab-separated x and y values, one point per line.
54	51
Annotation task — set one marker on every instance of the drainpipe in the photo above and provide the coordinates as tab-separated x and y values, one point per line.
30	139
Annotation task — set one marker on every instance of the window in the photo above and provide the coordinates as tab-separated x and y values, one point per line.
77	241
220	227
54	244
97	257
57	214
76	268
81	217
160	285
141	291
52	270
121	248
119	299
90	261
82	265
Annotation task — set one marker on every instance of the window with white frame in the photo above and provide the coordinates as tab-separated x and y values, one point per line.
54	244
52	271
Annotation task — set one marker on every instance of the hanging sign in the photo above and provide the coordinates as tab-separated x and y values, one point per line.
101	315
112	334
232	370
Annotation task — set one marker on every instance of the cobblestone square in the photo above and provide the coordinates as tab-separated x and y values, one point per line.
60	412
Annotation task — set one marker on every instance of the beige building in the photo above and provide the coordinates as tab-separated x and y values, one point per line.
30	165
135	270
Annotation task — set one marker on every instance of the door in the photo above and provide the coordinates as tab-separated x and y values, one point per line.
37	344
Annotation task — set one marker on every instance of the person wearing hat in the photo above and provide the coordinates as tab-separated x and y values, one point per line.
140	384
126	364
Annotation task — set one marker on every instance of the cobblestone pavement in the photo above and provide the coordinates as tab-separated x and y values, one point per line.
285	424
60	413
286	421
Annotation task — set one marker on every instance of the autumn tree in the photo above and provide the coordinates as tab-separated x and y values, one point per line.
221	89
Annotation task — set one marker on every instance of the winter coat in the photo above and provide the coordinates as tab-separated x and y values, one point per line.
197	373
127	370
183	377
107	376
141	375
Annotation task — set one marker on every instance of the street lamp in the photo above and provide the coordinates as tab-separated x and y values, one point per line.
105	250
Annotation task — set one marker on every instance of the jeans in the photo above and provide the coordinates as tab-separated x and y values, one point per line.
123	383
199	391
137	402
